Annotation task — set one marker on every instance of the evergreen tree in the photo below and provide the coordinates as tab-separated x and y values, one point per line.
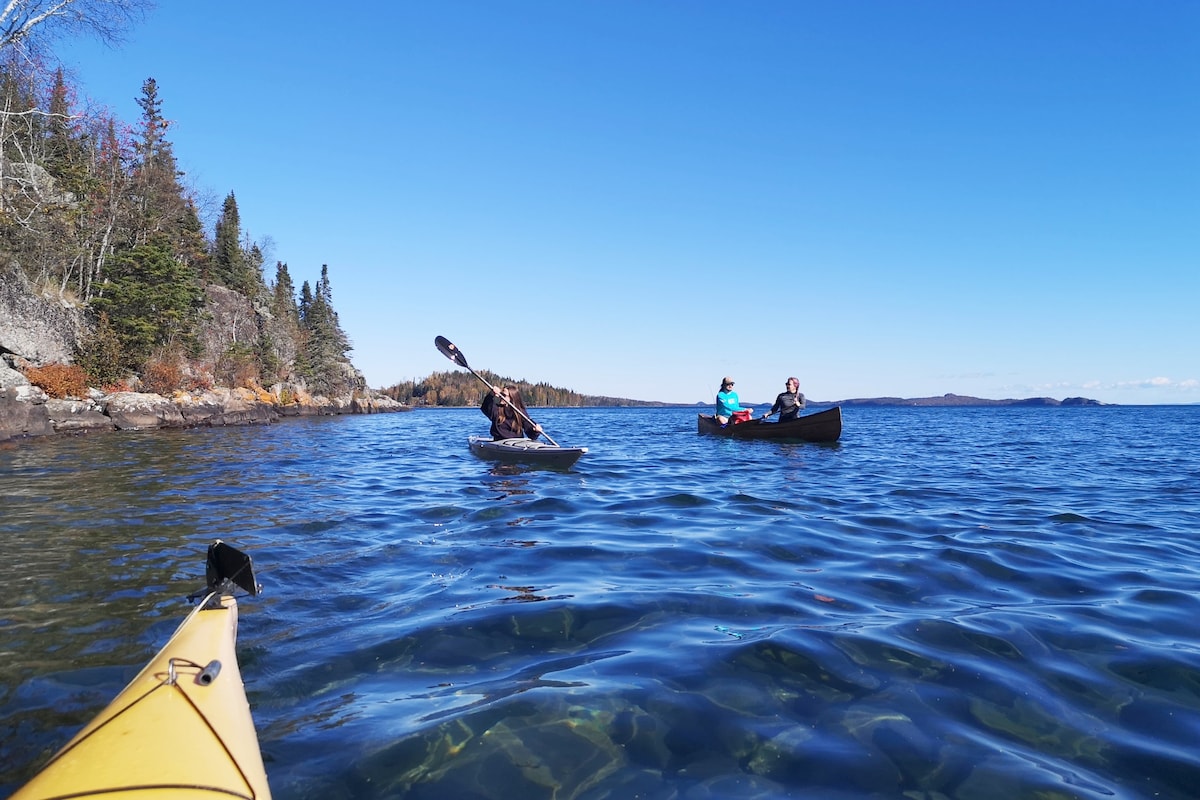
324	343
101	355
337	344
190	246
66	154
304	365
286	316
283	295
157	191
252	277
228	260
306	303
151	300
267	357
237	261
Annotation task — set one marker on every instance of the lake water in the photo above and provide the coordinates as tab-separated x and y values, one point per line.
948	603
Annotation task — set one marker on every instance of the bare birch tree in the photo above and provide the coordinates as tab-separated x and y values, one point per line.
36	203
31	25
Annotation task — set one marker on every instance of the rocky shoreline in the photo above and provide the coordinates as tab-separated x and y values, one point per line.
37	329
26	411
40	327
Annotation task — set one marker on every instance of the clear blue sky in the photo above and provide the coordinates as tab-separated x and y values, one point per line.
998	198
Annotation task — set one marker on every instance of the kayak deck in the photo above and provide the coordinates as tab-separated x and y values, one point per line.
180	729
527	451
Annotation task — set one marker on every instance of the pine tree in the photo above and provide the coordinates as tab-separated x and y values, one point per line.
159	196
190	245
338	344
304	365
151	300
253	284
228	259
283	293
324	343
66	154
101	355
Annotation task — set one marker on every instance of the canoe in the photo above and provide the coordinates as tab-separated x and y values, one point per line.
182	727
822	426
525	451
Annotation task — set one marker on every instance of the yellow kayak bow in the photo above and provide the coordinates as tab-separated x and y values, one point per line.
182	728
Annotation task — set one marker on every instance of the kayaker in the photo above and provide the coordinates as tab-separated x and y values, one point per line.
498	405
789	403
728	406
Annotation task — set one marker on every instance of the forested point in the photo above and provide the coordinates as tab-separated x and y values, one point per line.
451	389
95	216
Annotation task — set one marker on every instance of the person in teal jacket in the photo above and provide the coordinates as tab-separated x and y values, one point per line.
727	401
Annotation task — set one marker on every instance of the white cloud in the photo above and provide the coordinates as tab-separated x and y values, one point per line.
1158	383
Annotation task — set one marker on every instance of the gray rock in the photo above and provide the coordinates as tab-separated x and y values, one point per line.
11	378
41	327
23	413
71	416
221	406
135	411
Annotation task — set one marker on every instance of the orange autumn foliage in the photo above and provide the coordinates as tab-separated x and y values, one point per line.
58	380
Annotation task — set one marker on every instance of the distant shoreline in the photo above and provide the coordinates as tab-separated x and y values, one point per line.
943	401
964	400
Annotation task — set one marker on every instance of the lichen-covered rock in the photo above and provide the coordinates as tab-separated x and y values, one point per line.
39	326
141	411
74	416
23	413
374	404
220	406
11	378
231	321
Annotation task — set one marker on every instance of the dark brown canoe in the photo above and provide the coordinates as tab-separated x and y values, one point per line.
823	426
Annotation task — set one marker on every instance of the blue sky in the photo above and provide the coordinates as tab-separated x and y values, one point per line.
634	199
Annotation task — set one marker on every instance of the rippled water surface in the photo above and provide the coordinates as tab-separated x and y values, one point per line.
948	603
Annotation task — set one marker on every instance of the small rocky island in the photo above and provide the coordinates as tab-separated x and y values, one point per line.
963	400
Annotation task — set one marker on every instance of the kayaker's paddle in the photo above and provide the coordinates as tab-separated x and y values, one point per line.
451	351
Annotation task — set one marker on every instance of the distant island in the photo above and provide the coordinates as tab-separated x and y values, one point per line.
456	389
951	400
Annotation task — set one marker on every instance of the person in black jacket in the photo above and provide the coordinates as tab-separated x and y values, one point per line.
789	403
499	405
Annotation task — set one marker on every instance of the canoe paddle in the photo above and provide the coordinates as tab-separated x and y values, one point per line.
451	351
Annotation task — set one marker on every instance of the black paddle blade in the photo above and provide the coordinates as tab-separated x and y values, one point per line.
227	562
447	348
